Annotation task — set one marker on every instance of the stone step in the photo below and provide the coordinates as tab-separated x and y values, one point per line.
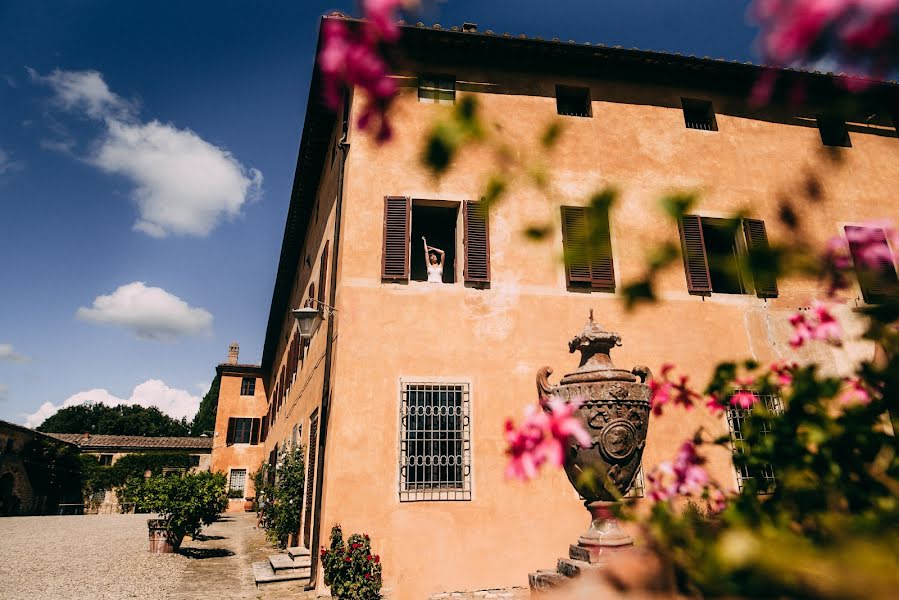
283	562
296	551
575	568
264	575
546	580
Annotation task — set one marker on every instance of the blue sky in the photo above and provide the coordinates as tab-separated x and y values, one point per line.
146	158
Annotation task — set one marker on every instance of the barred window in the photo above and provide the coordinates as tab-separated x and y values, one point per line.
638	489
435	442
238	479
737	419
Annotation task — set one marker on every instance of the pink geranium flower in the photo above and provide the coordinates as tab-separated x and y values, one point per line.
855	392
664	390
546	431
684	476
817	324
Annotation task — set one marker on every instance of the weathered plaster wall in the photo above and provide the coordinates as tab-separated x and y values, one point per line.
496	339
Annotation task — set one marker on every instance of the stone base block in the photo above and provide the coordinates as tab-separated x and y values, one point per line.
570	567
542	581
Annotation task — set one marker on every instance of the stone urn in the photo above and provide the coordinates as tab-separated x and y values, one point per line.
614	410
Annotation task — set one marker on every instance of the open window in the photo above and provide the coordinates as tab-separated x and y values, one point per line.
699	114
718	253
406	221
573	101
833	131
435	221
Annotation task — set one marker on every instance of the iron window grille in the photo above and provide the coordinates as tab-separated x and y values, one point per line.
435	442
437	90
248	386
573	101
699	114
736	421
238	479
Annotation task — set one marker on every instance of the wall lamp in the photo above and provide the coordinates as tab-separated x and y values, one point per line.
309	318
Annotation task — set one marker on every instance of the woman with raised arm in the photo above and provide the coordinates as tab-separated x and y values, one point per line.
433	263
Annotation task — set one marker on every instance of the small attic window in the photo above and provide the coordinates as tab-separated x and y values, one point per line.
833	131
699	114
573	101
436	90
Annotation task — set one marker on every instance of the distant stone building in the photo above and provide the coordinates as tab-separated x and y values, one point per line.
401	393
237	447
110	448
26	487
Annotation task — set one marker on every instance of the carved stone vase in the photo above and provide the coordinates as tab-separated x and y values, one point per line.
614	411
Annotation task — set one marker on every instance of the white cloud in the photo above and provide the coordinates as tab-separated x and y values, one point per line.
183	184
150	312
153	392
8	353
7	164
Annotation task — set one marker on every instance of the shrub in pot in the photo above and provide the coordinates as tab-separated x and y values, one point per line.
185	502
351	570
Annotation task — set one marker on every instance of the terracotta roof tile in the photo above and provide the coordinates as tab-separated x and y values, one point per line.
88	441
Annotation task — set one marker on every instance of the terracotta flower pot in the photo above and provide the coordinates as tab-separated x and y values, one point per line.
248	505
159	537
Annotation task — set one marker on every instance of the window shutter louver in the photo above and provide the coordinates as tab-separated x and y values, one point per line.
696	265
263	430
602	268
323	274
229	438
757	241
254	432
476	242
312	453
877	284
395	257
575	245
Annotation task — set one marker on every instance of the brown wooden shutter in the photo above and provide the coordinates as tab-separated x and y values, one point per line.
395	257
254	432
229	437
602	268
696	264
323	274
575	245
263	430
757	241
877	284
310	477
477	243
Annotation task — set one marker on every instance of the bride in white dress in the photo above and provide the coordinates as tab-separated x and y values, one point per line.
434	264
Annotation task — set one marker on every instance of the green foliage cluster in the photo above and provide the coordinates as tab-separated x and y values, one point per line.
54	470
100	419
186	502
204	420
131	466
351	570
279	495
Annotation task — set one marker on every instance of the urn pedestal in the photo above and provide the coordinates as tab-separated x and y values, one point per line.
614	410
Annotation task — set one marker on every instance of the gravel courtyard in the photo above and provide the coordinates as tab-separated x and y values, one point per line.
106	557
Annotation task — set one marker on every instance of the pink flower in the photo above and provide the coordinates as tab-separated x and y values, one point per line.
783	372
868	244
744	399
820	324
543	437
684	476
665	390
855	392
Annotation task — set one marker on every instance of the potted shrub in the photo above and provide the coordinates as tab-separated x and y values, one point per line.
351	570
185	503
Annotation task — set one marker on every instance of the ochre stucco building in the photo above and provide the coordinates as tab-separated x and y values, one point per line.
401	394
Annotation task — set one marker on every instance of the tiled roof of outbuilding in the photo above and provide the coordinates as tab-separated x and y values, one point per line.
125	442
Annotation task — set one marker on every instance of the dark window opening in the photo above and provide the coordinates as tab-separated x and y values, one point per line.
195	460
740	421
573	101
437	90
699	114
248	386
105	460
438	225
833	131
720	236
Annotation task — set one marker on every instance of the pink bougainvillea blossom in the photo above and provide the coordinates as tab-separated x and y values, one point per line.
354	56
684	476
855	392
542	437
816	324
858	37
783	372
868	244
744	399
665	390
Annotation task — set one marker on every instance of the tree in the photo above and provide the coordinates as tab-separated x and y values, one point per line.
205	417
100	419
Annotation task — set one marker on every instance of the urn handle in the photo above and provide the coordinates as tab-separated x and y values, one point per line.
544	387
642	372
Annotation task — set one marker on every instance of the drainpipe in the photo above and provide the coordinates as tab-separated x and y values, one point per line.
344	148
